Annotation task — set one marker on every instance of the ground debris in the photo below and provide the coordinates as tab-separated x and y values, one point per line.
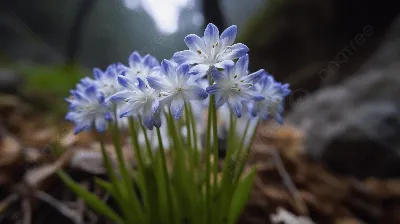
327	197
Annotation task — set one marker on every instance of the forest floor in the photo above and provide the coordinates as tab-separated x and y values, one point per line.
289	187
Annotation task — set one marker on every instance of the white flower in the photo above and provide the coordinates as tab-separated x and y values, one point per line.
88	108
173	87
138	99
234	85
211	50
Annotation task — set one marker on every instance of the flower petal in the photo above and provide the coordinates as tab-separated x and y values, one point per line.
97	73
194	92
81	127
228	36
122	95
157	82
220	99
214	89
234	51
183	69
251	95
254	77
177	107
167	67
141	84
218	76
222	64
134	59
100	124
148	61
187	56
155	106
211	35
148	121
236	106
125	82
199	70
242	65
195	43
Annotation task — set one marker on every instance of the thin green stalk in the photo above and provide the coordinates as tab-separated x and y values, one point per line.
189	139
246	153
109	169
215	140
166	178
140	164
136	146
146	138
207	157
193	125
241	144
227	172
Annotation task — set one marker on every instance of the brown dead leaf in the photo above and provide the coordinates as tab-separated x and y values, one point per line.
36	177
10	150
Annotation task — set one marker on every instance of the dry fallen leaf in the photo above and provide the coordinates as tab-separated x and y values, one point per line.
10	150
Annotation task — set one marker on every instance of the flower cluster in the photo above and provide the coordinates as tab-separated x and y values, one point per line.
171	97
147	90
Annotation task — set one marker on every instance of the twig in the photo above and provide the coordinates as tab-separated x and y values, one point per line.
287	181
7	201
27	211
62	208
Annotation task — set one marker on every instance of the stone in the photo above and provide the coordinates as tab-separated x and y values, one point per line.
354	127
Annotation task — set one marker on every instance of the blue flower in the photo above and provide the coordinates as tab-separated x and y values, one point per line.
211	50
174	88
138	99
88	108
139	67
106	82
234	85
273	105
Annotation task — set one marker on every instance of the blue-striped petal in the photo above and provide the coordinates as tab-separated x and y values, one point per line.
195	43
194	92
134	59
235	51
156	82
242	65
211	35
187	56
218	76
167	67
254	77
228	36
125	82
177	106
214	89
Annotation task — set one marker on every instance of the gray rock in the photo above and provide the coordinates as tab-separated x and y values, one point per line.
9	81
354	127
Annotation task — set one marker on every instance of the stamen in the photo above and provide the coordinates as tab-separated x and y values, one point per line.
198	52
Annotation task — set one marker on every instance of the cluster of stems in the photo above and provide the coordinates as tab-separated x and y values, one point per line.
189	183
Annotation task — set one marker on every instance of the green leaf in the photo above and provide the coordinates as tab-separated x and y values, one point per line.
90	199
107	186
241	196
152	194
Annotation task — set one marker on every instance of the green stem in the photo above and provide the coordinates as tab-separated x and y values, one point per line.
189	138
246	153
207	156
195	148
166	178
146	138
241	144
215	140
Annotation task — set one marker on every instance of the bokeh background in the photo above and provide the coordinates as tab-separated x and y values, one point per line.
341	58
